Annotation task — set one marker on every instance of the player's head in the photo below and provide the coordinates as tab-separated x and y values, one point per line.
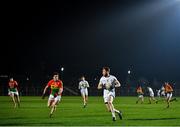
55	76
11	79
105	71
166	83
82	78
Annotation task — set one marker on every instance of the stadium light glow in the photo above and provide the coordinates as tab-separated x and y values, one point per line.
62	68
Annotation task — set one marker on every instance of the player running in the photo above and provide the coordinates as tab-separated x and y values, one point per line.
56	87
168	91
151	95
158	93
163	92
108	84
140	95
13	92
83	86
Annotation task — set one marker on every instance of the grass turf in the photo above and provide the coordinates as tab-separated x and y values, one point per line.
33	111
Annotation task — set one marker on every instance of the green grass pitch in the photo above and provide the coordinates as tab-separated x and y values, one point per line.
33	111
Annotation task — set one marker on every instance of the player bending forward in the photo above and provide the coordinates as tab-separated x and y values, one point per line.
13	92
108	84
168	91
56	87
151	95
140	95
83	86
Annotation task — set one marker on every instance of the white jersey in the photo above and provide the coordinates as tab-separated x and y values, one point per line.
163	91
158	93
83	84
162	88
108	80
151	93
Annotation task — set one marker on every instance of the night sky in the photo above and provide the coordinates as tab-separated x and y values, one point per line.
39	37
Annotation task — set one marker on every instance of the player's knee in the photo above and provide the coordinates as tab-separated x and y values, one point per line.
109	102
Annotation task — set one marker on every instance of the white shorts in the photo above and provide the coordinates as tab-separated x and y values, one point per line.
163	93
169	95
84	92
11	93
151	94
107	96
140	96
52	98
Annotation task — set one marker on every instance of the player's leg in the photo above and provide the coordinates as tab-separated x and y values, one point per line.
17	99
50	101
54	105
142	99
150	98
174	99
13	99
86	96
111	106
106	103
168	98
84	99
138	100
111	98
153	98
83	94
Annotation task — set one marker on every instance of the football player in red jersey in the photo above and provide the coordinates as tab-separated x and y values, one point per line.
13	92
56	87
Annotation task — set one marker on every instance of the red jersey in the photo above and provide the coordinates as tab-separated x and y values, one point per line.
55	86
168	88
13	86
139	90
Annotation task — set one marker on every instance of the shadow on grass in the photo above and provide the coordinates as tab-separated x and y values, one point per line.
154	119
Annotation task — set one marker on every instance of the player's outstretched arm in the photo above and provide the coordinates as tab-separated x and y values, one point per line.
99	86
87	84
117	83
79	87
60	89
44	92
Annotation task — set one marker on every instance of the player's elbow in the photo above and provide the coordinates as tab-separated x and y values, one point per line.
118	85
98	88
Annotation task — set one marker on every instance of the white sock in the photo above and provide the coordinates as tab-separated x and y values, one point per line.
113	113
116	111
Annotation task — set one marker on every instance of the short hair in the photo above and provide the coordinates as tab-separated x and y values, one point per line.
106	68
55	73
82	76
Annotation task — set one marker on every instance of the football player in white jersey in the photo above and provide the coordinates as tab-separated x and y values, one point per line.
83	86
151	95
163	92
108	84
158	93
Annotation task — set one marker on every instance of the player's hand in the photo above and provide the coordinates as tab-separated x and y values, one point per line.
112	86
43	96
103	86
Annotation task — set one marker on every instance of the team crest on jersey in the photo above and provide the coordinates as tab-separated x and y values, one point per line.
54	85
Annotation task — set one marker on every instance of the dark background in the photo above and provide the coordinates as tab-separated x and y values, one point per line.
39	37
